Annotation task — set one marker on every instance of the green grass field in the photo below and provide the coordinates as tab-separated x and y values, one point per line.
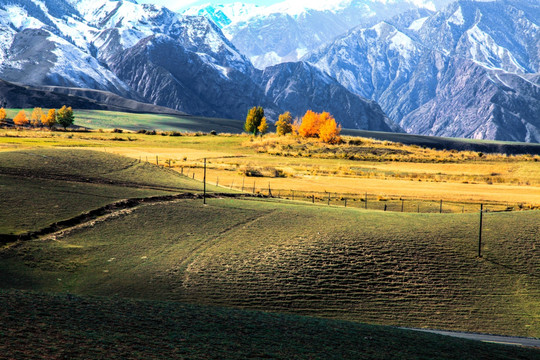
329	262
416	270
50	185
101	119
66	326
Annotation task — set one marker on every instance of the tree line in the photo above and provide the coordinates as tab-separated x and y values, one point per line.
312	125
63	116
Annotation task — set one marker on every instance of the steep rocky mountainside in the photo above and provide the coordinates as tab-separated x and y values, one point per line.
320	92
141	52
471	70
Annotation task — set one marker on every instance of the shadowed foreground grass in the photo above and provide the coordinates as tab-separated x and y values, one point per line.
66	326
414	270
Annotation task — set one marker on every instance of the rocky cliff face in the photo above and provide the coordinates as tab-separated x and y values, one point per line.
164	72
468	71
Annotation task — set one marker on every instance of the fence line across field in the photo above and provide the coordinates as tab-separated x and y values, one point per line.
361	199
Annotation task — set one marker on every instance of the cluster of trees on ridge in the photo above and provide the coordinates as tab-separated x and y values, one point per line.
64	116
312	125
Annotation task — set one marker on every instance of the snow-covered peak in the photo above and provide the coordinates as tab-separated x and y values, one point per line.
226	14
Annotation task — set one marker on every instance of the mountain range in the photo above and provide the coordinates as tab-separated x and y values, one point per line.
464	69
148	53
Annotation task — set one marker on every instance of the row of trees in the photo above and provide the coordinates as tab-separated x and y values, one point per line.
312	125
64	116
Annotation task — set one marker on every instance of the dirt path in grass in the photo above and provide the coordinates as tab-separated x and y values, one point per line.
498	339
104	213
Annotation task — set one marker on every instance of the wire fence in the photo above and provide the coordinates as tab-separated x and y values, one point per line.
361	199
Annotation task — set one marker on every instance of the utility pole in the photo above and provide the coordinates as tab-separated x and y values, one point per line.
204	182
480	232
366	200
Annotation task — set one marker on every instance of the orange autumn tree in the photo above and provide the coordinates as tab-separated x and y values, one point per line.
50	119
3	116
20	119
322	126
329	131
309	127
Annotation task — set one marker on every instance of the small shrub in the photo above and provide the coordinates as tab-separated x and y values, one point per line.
213	132
118	131
141	131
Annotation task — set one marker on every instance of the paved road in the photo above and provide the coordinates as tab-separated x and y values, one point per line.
498	339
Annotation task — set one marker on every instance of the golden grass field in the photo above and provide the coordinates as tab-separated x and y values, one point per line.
411	174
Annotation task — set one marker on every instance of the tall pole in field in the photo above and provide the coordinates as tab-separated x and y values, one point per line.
365	202
204	182
480	232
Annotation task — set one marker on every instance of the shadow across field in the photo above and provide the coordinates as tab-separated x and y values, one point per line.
441	143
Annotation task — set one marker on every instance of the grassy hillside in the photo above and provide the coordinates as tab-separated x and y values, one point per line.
40	187
102	119
417	270
459	177
66	326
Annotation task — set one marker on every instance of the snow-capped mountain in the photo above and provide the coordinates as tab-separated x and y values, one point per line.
143	52
287	30
470	70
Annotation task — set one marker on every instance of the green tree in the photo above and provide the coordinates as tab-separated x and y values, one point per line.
263	127
253	120
65	116
284	124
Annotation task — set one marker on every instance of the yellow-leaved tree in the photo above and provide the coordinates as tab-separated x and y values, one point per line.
253	120
20	119
37	117
263	127
3	116
50	119
284	124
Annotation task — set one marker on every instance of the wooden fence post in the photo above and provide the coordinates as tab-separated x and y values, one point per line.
366	200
